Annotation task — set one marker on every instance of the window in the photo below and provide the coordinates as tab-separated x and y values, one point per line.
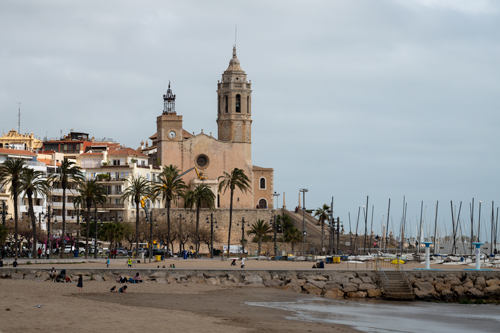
262	183
248	104
202	161
117	175
117	201
116	162
225	102
238	103
118	189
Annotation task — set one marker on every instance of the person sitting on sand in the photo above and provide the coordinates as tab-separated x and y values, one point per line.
113	290
137	278
53	274
122	289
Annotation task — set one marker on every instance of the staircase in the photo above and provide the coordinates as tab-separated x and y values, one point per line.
395	285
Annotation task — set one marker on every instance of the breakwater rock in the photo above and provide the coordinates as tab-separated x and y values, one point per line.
448	286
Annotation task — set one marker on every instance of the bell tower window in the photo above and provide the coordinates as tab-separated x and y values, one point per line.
225	102
238	103
248	104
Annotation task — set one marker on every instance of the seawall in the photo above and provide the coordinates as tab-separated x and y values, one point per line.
447	286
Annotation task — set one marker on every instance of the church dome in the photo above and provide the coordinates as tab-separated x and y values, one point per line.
234	63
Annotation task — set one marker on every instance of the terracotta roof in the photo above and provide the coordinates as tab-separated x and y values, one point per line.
90	154
154	136
16	152
126	151
185	134
48	161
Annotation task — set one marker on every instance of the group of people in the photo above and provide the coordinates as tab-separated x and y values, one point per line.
123	279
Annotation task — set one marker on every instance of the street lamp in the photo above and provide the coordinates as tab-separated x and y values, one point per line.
276	197
151	233
211	222
242	234
304	190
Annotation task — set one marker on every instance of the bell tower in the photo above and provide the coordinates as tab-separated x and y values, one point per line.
234	104
169	132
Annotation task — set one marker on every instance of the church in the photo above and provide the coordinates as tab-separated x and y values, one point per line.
211	156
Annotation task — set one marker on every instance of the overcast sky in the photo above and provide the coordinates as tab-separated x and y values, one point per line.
350	98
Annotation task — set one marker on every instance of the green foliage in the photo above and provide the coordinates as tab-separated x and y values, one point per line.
201	196
4	232
138	187
236	179
103	176
260	229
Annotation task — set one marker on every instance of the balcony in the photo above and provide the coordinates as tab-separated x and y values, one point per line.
60	204
116	206
60	191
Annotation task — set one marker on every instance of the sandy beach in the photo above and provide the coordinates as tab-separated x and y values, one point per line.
150	306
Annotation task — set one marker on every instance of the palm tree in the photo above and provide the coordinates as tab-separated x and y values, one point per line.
91	193
236	179
33	183
10	172
68	171
294	236
138	188
169	187
260	229
201	196
323	215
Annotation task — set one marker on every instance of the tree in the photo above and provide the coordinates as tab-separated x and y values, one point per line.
10	172
90	193
236	179
260	229
169	187
68	171
4	232
182	232
138	188
323	214
202	195
33	183
294	236
112	232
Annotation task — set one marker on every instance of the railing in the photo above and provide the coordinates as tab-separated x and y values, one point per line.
387	262
60	204
112	206
403	272
60	190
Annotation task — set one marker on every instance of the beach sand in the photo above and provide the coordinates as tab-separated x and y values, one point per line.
148	306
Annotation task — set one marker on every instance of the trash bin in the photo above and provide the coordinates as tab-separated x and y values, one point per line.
158	258
184	254
336	260
76	253
162	257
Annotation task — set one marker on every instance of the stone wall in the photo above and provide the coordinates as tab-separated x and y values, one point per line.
448	286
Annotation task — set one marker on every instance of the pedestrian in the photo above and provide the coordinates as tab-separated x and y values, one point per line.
53	274
242	262
129	262
107	263
39	253
14	264
80	283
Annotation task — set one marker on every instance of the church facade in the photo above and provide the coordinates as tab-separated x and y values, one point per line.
213	156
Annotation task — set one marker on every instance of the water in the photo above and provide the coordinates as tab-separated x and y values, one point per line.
383	316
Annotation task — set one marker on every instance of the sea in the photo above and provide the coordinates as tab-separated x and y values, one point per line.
393	316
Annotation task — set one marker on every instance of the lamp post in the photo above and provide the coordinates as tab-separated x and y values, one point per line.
77	247
151	234
304	190
304	233
276	227
242	234
95	236
211	222
276	197
49	243
338	234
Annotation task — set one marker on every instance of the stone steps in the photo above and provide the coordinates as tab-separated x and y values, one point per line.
395	286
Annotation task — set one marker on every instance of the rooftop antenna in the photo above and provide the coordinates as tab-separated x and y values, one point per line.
19	119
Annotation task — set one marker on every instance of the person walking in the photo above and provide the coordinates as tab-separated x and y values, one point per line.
242	262
129	262
39	253
80	283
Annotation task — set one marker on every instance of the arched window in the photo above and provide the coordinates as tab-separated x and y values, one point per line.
1	145
238	103
225	102
262	183
262	203
248	104
218	104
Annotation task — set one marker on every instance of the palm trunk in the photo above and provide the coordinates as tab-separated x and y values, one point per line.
258	254
31	212
136	227
197	224
16	219
322	234
168	229
63	219
87	217
230	222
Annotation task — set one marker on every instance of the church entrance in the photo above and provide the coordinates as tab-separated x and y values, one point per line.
262	204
